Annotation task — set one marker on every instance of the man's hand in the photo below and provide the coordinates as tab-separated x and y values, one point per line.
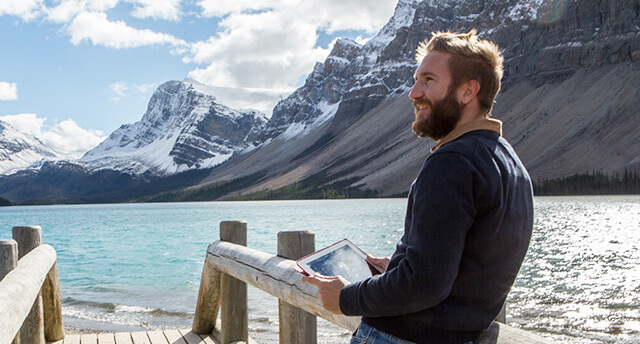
381	263
329	288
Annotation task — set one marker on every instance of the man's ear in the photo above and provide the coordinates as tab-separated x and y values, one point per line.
468	91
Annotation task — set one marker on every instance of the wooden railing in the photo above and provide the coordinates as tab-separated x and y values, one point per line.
31	312
30	306
230	265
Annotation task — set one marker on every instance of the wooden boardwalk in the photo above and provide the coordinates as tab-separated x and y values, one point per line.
153	337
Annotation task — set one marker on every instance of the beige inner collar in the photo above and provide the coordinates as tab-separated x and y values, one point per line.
488	124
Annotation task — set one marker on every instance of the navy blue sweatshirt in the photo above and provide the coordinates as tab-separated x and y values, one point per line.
467	229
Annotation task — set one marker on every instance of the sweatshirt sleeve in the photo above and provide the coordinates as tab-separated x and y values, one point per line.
441	209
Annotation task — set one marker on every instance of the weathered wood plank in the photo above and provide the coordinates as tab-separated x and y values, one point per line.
174	337
190	337
72	339
89	338
208	339
123	338
140	337
106	338
157	337
20	288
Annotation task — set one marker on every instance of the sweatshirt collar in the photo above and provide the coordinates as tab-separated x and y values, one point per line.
488	124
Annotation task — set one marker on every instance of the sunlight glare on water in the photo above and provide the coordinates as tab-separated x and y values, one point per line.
581	278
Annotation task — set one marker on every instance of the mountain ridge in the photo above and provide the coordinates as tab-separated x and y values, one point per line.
19	151
568	104
611	28
182	128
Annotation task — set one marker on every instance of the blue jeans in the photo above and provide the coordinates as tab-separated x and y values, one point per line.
366	334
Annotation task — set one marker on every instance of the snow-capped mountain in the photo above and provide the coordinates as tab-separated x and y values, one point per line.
569	97
19	150
353	79
569	104
183	128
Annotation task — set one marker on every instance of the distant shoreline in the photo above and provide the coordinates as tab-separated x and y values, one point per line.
74	325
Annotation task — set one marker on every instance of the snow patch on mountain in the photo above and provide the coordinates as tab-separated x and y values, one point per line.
184	128
19	150
301	128
525	10
402	17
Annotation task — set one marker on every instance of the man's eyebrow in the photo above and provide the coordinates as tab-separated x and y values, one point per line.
421	74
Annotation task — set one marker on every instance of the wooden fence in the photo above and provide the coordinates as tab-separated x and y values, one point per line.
30	305
31	312
229	265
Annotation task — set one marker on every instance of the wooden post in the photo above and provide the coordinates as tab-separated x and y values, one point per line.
8	256
204	320
234	309
296	325
502	316
32	331
8	262
52	306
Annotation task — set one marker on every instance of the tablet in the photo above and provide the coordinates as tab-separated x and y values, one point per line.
343	258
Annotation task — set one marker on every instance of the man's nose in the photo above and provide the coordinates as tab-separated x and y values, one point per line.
415	93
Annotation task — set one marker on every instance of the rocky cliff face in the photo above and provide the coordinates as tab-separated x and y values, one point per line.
569	88
182	129
352	80
543	42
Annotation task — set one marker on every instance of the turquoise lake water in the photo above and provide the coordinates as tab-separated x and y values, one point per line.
138	266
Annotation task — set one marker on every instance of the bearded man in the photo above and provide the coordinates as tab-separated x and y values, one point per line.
469	214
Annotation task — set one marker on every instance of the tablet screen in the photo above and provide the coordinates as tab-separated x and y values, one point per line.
342	258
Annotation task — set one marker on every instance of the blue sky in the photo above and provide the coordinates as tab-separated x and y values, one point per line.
72	71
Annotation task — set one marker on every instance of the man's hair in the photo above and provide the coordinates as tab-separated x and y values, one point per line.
472	59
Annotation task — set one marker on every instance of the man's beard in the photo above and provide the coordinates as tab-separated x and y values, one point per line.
442	119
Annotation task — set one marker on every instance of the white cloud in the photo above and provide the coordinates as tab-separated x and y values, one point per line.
220	8
156	9
67	9
25	122
96	28
336	15
67	137
259	50
8	91
273	43
144	88
70	140
329	15
25	9
121	89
